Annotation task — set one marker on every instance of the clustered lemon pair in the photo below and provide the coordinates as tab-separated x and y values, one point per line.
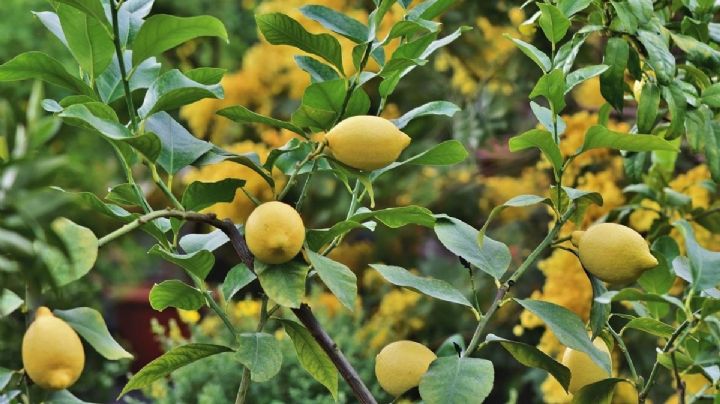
275	232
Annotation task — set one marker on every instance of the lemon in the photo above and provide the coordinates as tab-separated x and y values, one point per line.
583	370
400	365
52	353
614	253
366	142
274	232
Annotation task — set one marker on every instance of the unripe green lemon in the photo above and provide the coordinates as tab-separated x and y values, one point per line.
53	356
613	253
583	370
400	365
274	232
366	142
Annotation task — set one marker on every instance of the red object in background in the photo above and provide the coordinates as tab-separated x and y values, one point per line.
133	315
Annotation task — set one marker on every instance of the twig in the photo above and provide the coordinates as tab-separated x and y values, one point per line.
305	315
623	348
651	379
678	381
293	177
121	64
505	287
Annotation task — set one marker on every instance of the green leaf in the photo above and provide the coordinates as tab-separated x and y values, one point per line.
279	29
169	362
249	160
241	114
600	137
582	74
659	56
179	147
704	264
460	238
197	264
566	54
93	8
175	293
429	9
200	195
341	281
625	20
206	75
599	312
677	104
318	71
317	238
572	7
81	245
552	22
87	38
552	87
261	353
312	357
454	380
648	107
535	54
545	117
110	84
91	116
541	139
397	217
712	149
39	66
650	326
172	90
284	283
123	194
90	325
532	357
321	104
436	288
337	22
698	52
237	278
597	393
9	302
660	279
711	95
431	108
446	153
612	81
567	327
162	32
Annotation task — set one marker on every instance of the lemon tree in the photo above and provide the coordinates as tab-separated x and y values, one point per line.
120	92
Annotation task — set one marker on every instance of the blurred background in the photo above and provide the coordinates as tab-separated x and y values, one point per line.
482	72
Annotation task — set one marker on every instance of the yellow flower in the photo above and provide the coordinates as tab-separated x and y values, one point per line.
355	256
246	308
189	316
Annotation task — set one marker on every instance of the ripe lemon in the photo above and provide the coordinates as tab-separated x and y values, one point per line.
274	232
614	253
400	365
583	370
366	142
52	353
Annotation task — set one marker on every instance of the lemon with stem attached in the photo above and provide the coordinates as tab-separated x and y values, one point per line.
401	364
366	142
52	354
274	232
583	370
613	253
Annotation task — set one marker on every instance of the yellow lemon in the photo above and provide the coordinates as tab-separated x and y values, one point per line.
400	365
366	142
52	353
583	370
614	253
274	232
